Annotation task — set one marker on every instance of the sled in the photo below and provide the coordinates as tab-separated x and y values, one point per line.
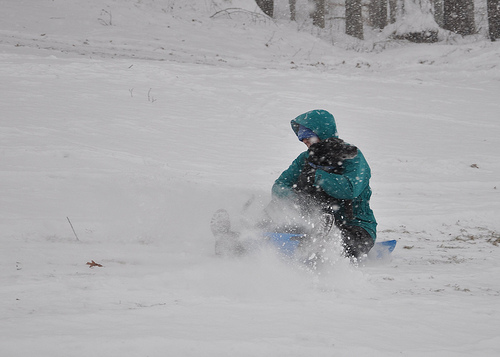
228	242
287	244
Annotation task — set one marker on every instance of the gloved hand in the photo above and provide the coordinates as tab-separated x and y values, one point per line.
326	155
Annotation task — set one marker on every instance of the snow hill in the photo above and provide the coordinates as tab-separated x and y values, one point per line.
132	121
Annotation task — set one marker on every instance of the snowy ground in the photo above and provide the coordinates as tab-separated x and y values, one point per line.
137	119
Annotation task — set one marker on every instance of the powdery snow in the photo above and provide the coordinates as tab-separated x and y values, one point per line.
138	119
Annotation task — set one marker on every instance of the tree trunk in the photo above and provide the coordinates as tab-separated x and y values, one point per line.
318	15
378	13
494	19
293	11
393	11
437	5
267	6
459	16
353	18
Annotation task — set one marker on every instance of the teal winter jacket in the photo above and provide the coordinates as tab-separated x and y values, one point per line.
352	184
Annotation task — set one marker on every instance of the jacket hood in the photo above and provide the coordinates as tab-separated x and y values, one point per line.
321	122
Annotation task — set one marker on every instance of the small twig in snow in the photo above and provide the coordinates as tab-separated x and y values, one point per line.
104	22
72	229
150	97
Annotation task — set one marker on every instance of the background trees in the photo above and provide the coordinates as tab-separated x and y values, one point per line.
267	6
318	14
354	18
459	16
493	7
423	17
377	10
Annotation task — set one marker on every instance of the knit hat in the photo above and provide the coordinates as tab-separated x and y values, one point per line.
305	133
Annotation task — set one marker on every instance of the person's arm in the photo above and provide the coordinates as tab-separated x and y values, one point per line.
350	184
283	186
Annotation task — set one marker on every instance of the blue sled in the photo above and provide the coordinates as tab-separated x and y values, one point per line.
382	249
287	243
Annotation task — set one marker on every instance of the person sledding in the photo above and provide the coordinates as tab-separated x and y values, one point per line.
325	185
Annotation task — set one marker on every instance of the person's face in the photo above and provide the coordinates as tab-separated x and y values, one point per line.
310	141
